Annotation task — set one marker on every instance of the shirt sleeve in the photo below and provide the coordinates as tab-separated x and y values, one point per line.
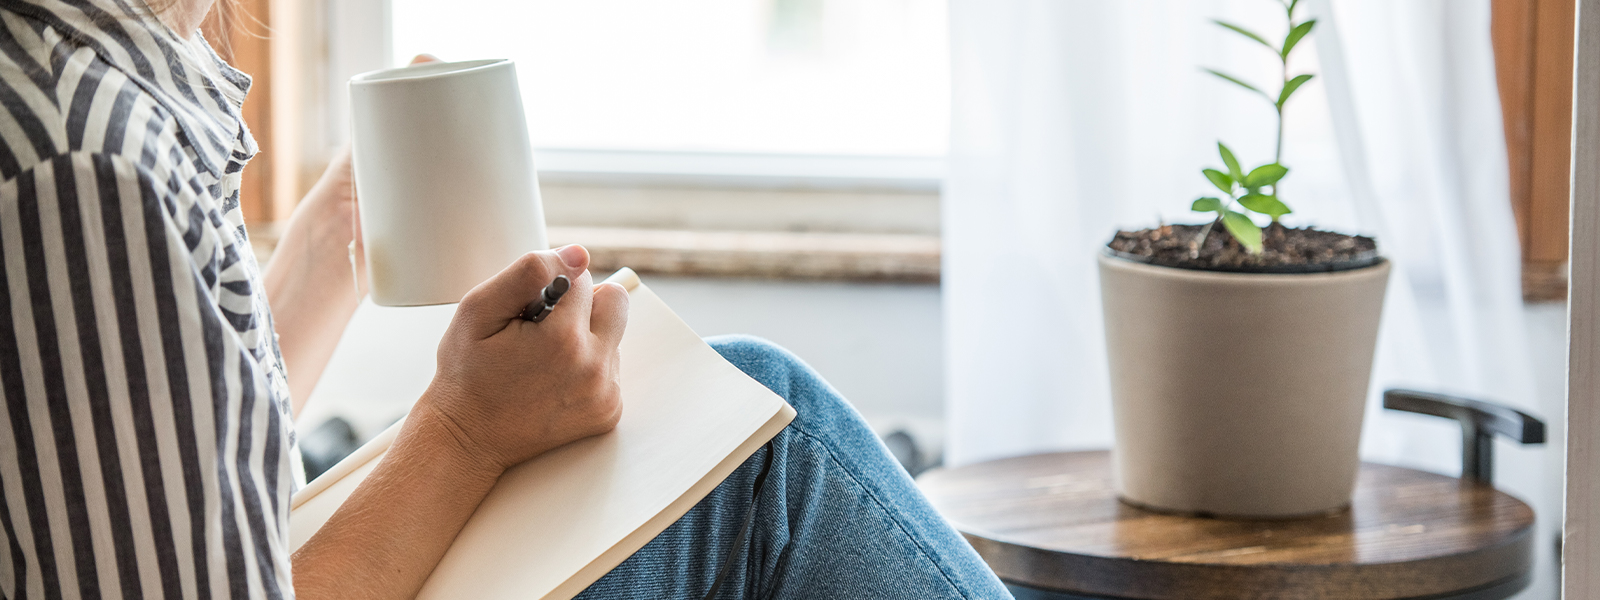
140	451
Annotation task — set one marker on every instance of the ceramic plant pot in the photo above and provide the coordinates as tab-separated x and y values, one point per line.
1239	394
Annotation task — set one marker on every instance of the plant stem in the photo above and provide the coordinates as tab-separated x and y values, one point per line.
1283	58
1277	156
1194	251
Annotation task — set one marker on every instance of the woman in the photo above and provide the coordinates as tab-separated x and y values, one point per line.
147	446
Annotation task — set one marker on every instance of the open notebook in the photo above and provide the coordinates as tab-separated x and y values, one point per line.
557	523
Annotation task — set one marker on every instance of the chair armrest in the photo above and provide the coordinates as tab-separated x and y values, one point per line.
1480	422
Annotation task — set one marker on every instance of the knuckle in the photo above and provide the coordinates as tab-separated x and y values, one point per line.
569	341
610	424
611	410
614	294
471	300
534	264
593	377
603	389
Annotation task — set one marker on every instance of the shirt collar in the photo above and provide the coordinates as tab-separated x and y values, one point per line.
184	74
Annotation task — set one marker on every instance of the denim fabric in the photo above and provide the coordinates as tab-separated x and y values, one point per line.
838	518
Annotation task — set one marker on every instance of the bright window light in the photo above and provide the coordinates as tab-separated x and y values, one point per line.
806	77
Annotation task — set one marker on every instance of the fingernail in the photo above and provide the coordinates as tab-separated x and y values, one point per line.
573	255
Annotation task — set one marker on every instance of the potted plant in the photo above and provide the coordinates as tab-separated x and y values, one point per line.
1241	349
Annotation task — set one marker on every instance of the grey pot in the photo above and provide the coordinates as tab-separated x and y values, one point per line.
1239	394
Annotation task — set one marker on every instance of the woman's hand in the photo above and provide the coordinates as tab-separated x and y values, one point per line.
506	389
332	202
310	282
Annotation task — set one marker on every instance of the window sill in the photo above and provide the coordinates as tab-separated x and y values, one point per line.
1544	281
874	257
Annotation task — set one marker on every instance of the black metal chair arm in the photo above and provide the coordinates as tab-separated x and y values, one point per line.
1480	422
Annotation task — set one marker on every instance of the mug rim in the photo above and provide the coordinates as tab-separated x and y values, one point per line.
426	71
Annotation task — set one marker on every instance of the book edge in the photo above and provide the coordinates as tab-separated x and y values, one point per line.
630	544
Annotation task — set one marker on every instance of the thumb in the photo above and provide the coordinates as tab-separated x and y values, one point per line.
494	303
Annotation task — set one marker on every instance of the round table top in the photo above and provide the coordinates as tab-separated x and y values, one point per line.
1053	522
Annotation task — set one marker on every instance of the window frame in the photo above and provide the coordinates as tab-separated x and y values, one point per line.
1533	47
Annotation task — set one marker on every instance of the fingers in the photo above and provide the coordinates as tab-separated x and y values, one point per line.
609	316
488	307
572	313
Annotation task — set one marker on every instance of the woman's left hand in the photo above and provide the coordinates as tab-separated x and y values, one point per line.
333	200
311	283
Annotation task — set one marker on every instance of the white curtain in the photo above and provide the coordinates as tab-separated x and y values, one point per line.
1073	118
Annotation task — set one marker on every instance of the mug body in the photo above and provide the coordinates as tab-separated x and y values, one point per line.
444	173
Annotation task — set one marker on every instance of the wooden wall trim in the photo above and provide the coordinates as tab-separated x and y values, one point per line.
1533	62
1550	172
1581	546
1512	34
240	30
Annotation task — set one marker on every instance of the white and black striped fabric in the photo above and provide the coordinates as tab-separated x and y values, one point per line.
146	442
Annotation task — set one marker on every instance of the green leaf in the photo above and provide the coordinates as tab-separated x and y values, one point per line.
1244	230
1233	163
1265	175
1292	5
1267	205
1295	35
1247	33
1239	82
1221	180
1206	205
1290	86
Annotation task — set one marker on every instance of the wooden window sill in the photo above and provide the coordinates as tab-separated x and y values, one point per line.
1544	281
760	254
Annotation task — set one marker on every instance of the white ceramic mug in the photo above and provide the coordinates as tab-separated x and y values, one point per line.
444	173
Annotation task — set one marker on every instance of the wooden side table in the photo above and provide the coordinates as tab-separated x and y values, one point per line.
1051	526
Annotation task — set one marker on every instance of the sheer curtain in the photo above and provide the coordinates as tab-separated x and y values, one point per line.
1072	118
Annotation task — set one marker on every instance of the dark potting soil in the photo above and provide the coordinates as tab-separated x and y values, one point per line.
1284	249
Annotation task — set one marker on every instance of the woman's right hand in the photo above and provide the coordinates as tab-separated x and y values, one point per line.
507	389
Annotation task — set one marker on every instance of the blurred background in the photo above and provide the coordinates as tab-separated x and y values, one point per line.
909	193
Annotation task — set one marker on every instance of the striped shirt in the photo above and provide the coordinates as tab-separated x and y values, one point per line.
146	442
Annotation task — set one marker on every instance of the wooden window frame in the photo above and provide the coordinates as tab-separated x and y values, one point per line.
1533	47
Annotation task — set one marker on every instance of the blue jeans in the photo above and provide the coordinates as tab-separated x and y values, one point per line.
838	519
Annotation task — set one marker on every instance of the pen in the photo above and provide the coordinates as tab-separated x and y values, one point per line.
539	309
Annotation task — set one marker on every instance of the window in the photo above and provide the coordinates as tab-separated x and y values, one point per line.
707	85
778	123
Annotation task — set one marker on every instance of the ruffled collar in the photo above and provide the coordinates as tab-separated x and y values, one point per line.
184	74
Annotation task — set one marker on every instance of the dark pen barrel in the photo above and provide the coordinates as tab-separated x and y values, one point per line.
539	309
558	288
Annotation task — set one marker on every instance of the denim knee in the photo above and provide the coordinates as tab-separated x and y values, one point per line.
763	361
820	410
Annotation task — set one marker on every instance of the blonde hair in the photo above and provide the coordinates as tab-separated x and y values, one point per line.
221	20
